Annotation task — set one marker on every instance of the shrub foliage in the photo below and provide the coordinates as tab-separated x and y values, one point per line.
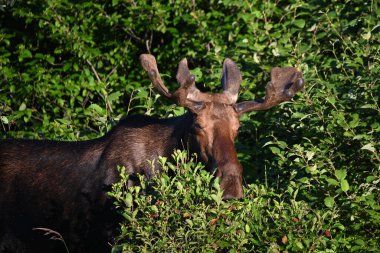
69	70
186	213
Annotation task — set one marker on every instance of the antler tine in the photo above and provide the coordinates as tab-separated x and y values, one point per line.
284	84
149	64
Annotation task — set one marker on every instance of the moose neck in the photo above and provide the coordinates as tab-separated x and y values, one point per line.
182	136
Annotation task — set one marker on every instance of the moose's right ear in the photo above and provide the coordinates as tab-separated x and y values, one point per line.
231	80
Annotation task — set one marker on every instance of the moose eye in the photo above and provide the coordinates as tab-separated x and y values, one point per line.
197	126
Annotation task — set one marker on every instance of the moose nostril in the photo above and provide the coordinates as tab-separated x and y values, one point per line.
228	197
289	93
300	83
231	196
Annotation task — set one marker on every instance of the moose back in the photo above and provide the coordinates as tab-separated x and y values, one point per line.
53	190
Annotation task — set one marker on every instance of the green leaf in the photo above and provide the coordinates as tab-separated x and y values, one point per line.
247	228
64	121
310	155
218	198
299	23
22	107
331	100
368	106
355	121
275	150
197	72
329	201
341	174
369	147
50	59
299	245
369	179
114	96
127	217
367	35
344	185
154	208
96	108
190	222
4	119
359	242
332	181
179	186
128	199
297	115
25	53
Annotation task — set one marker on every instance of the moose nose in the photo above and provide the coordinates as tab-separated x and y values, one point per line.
231	196
232	183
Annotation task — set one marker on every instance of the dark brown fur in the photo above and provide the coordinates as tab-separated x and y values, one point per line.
63	185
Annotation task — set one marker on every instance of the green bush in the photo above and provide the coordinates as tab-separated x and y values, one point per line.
69	70
185	212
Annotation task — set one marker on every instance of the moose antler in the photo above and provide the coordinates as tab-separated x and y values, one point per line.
284	84
185	79
188	95
150	65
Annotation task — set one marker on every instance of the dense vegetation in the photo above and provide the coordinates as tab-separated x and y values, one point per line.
69	70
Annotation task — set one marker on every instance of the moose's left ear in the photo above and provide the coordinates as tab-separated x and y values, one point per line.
183	73
231	80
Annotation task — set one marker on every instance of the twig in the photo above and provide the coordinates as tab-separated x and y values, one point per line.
111	72
94	70
147	46
85	100
133	35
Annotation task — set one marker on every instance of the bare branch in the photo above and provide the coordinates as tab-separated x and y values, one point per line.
147	44
133	35
94	70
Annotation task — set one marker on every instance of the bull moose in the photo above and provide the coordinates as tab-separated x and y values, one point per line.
62	186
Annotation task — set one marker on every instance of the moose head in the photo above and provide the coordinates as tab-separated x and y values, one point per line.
215	117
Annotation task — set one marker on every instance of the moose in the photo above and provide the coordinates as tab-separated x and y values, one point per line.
61	187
